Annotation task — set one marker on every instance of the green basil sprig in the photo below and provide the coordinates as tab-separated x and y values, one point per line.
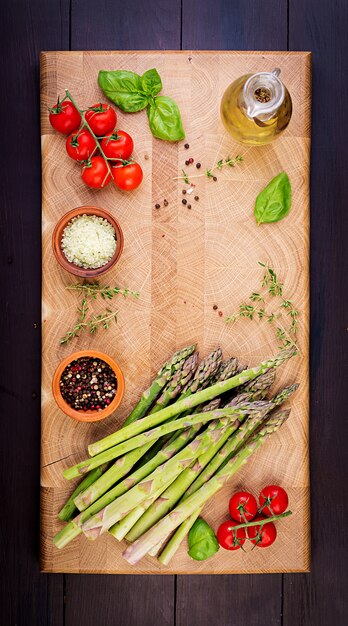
132	92
202	541
274	201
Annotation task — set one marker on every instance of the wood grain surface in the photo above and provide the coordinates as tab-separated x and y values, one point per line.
29	598
182	262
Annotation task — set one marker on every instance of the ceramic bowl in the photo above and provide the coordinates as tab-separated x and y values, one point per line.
57	241
88	416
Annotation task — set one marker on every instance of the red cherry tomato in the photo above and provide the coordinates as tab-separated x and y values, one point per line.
262	536
128	177
64	117
95	173
80	145
243	506
229	539
101	118
117	145
273	500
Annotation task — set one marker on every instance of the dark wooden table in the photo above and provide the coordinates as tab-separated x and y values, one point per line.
33	599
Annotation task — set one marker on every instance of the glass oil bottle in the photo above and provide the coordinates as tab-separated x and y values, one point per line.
256	108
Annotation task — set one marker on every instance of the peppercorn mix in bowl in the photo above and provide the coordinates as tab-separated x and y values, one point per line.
88	385
87	241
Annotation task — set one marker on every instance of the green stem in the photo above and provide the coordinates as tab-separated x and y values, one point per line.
166	372
69	509
152	435
272	518
175	541
85	123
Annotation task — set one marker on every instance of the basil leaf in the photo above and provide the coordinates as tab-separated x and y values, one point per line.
202	541
274	201
151	82
124	89
165	119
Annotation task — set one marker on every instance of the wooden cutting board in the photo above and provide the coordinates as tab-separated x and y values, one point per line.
183	262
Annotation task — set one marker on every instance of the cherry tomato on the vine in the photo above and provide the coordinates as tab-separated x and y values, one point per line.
64	117
101	118
95	173
262	536
80	145
128	176
243	506
117	145
273	500
229	539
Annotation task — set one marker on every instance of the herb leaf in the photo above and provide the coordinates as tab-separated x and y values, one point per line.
165	119
274	201
151	82
202	541
124	88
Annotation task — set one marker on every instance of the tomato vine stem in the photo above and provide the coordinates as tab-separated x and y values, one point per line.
272	518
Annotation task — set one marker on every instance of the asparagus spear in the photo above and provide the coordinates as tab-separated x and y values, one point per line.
227	370
177	489
264	381
118	470
121	528
204	395
229	449
187	507
72	530
174	542
164	375
204	374
166	473
153	435
207	369
69	508
177	383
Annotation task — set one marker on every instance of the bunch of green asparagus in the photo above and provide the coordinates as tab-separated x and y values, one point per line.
191	431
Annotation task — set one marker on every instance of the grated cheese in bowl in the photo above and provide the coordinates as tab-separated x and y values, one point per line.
89	241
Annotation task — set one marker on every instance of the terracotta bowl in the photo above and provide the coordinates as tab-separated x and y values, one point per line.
88	416
57	240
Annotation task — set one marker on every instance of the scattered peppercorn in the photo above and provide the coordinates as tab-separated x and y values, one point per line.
220	313
191	160
146	157
189	206
165	202
184	191
215	307
196	198
157	206
187	162
186	146
88	384
184	201
198	165
214	179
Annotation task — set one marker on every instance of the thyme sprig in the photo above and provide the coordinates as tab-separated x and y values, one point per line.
104	319
273	288
209	173
92	290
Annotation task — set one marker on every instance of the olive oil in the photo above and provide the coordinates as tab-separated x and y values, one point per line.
256	108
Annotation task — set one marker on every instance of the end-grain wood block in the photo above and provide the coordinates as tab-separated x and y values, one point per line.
183	262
